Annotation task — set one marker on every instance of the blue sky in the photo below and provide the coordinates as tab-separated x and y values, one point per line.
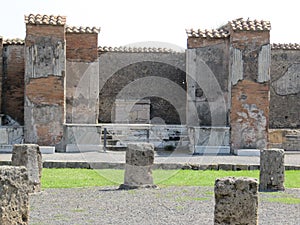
131	21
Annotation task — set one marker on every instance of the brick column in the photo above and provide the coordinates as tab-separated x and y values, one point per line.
44	79
207	77
13	79
249	81
82	78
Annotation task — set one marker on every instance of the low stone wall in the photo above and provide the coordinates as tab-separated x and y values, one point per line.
287	139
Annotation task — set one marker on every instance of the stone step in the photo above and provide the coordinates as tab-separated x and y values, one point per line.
212	150
43	149
74	148
247	152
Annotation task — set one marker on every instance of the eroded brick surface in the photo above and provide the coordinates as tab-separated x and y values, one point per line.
249	115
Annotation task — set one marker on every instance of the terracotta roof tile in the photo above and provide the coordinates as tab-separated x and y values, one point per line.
83	30
45	19
289	46
15	41
250	25
135	49
218	33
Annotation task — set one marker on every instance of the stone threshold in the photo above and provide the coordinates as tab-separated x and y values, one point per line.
164	166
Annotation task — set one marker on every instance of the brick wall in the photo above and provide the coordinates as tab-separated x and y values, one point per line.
151	65
13	82
44	84
82	47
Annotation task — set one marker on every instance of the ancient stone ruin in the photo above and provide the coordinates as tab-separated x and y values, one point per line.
138	167
29	155
14	196
271	170
236	201
229	90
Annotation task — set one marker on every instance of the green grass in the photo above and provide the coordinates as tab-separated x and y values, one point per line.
70	178
281	197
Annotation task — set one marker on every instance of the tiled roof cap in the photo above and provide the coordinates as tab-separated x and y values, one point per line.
250	25
83	30
15	41
135	49
45	19
214	33
289	46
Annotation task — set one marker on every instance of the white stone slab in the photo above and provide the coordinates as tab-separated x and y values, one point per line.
83	148
6	148
212	150
47	149
247	152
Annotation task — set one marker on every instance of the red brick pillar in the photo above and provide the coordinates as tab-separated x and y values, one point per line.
82	78
250	81
13	79
44	79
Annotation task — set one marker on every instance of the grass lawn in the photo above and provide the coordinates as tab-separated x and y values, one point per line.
70	178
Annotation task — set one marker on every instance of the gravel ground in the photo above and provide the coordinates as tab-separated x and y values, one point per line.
169	205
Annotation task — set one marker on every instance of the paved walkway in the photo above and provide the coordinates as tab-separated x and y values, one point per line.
115	158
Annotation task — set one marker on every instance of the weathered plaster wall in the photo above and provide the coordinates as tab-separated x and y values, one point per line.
13	82
82	78
285	89
249	82
134	67
207	91
44	84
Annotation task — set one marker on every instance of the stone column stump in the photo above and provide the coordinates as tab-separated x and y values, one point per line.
29	155
138	167
236	201
14	195
271	170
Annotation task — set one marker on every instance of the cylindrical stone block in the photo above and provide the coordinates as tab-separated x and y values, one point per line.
271	170
236	201
14	195
29	155
138	167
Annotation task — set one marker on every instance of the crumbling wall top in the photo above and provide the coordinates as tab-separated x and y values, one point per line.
250	25
14	41
214	33
82	30
290	46
135	49
45	19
